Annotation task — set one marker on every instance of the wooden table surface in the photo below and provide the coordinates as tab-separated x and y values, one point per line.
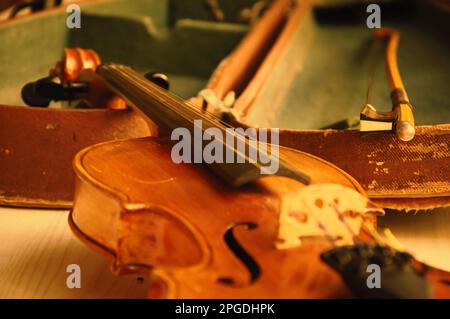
35	248
37	245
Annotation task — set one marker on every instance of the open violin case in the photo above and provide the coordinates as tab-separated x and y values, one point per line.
293	81
284	66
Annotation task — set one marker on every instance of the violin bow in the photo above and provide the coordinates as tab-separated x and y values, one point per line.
401	118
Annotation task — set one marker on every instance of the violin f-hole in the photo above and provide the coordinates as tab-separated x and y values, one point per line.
248	261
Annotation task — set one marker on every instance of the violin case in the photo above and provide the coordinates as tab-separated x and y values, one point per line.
298	74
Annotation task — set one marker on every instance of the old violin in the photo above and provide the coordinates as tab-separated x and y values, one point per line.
229	231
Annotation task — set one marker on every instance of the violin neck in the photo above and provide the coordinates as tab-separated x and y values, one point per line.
166	109
171	112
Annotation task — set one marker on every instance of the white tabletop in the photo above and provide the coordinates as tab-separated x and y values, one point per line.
37	245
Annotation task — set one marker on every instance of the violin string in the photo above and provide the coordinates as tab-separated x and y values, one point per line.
343	220
214	117
184	112
373	232
189	113
327	233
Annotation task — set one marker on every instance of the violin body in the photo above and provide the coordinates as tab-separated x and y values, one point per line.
171	220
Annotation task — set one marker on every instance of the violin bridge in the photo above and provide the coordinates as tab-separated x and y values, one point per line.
322	211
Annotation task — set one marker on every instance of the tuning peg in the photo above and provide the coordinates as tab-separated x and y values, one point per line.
43	91
32	98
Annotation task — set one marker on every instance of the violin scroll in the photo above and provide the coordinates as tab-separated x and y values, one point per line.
72	80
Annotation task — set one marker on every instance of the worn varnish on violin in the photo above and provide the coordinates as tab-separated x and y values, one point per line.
198	236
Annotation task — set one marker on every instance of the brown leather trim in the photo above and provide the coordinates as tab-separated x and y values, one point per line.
412	204
37	146
385	166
